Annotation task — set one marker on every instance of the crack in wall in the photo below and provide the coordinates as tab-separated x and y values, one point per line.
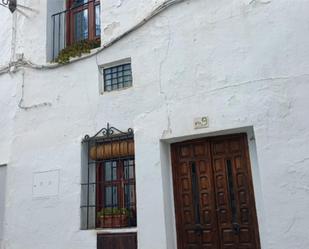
21	101
260	2
162	92
235	85
289	228
120	2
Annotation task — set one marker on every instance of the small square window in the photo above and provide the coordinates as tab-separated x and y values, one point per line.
117	77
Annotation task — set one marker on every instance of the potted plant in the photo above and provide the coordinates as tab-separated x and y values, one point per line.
113	217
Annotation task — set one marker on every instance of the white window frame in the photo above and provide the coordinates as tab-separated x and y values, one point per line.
113	64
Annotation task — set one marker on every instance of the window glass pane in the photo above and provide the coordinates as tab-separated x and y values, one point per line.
127	84
127	66
129	195
129	169
111	197
127	78
97	20
81	25
127	72
79	2
110	171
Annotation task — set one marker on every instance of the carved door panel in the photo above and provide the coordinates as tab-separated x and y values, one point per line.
117	241
214	200
195	196
237	220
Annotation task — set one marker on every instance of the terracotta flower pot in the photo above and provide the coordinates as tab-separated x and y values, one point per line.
117	220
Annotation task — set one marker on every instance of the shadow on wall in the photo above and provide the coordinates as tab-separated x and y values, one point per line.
2	200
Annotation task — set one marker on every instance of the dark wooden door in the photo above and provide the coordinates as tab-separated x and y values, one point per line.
214	199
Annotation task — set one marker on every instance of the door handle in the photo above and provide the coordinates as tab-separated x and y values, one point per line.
236	228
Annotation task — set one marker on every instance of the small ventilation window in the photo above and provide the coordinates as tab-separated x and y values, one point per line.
117	77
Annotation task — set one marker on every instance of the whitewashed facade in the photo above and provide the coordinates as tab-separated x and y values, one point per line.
244	64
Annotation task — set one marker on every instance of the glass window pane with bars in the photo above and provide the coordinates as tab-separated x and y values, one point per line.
128	169
111	197
116	194
78	2
81	25
110	173
97	20
117	77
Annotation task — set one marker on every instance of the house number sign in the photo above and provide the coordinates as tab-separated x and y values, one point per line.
201	122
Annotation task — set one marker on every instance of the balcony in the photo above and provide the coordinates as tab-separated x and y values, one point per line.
79	23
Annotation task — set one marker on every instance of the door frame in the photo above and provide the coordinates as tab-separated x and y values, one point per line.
247	153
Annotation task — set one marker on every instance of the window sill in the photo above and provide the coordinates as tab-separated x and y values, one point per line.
116	90
75	59
116	230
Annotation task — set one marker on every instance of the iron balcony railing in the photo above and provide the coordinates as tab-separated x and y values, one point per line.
81	21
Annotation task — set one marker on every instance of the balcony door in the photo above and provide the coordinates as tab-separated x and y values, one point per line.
83	20
214	199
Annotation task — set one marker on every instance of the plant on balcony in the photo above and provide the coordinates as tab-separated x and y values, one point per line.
76	50
113	217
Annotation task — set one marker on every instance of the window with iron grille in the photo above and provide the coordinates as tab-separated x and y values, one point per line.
108	180
117	77
83	20
79	23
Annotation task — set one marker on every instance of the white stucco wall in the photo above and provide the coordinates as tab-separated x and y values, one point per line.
242	63
5	34
2	199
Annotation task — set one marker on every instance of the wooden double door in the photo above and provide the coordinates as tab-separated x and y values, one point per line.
213	190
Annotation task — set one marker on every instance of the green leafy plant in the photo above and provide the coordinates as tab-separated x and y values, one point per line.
113	211
76	50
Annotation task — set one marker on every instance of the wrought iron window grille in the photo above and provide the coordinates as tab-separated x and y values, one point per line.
108	180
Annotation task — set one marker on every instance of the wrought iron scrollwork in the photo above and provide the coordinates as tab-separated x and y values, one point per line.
108	132
12	4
